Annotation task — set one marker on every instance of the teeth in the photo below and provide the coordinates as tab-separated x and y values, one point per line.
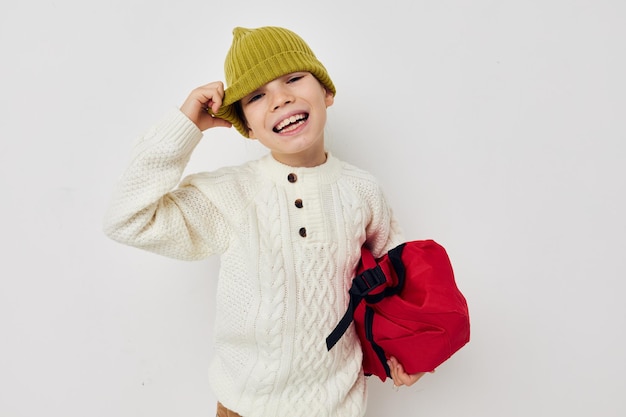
289	121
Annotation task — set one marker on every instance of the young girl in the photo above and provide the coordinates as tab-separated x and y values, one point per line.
288	227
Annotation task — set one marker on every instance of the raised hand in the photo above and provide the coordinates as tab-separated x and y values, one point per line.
202	99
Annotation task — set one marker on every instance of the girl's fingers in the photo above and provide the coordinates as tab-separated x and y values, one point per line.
207	96
399	376
203	101
393	370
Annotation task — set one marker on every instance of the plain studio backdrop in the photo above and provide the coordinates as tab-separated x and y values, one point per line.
495	127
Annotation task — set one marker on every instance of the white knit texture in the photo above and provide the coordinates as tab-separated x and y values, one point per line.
279	294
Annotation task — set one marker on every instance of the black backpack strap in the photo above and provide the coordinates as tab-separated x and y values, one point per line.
362	285
395	257
369	335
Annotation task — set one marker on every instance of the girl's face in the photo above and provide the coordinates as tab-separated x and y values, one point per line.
288	115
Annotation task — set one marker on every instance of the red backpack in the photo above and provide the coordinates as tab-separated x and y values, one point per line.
406	304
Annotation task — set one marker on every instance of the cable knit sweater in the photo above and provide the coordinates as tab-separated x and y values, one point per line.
289	240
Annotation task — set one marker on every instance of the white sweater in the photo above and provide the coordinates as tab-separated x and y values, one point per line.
289	240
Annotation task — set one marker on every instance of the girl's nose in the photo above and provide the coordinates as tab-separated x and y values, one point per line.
278	106
281	98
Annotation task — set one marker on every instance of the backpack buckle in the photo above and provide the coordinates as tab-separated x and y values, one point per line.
367	281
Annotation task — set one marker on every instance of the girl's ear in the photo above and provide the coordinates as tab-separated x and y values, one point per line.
329	99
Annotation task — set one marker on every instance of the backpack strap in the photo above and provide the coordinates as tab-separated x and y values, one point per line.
362	285
369	335
395	257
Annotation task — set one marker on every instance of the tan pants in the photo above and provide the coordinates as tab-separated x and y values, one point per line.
225	412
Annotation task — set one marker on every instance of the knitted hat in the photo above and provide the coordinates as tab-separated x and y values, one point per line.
258	56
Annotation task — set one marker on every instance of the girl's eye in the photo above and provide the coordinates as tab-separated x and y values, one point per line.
296	78
255	98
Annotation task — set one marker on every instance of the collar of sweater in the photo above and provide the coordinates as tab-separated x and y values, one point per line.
280	173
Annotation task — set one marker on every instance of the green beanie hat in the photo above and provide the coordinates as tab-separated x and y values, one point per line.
258	56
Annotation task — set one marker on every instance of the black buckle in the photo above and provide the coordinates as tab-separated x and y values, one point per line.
362	285
367	281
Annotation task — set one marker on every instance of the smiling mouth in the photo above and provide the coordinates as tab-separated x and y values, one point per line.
291	123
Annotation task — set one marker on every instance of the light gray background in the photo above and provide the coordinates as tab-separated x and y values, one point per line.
496	127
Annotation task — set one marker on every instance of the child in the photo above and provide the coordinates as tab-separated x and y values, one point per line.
288	228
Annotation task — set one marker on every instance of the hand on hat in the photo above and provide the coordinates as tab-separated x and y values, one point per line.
202	99
399	376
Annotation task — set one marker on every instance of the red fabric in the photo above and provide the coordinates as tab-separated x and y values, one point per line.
426	322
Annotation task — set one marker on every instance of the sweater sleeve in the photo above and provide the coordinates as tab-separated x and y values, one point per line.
148	212
383	232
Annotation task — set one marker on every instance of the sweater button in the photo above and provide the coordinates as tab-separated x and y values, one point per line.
292	178
298	203
302	232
